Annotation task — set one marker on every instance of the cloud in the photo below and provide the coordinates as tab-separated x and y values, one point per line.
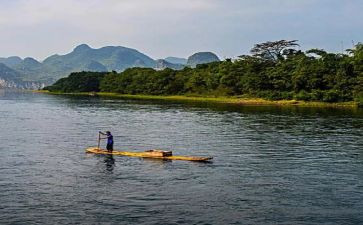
33	12
173	27
97	21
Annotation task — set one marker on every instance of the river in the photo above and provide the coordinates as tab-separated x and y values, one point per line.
272	165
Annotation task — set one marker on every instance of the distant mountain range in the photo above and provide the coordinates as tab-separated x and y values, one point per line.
10	78
30	73
176	60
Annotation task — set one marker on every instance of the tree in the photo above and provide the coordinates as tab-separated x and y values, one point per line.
357	61
274	50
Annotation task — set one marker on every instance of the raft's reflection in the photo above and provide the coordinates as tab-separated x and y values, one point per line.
110	162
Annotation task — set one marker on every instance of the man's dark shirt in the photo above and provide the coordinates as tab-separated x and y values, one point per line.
109	139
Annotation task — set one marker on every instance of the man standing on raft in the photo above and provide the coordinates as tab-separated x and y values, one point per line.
109	138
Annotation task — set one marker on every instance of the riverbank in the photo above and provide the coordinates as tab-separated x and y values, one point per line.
220	100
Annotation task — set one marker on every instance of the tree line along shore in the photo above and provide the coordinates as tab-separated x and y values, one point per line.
273	72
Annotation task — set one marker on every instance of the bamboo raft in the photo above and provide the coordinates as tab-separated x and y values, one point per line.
154	153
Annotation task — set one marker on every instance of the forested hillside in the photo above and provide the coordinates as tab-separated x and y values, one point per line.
274	70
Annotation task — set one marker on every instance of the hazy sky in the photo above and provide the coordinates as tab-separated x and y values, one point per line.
161	28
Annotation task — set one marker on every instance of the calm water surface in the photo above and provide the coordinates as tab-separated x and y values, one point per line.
271	165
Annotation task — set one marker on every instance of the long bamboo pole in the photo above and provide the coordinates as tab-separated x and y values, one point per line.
99	140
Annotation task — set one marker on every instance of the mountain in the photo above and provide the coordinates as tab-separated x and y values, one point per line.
162	64
9	78
176	60
7	73
82	58
95	67
11	61
33	70
85	58
201	58
103	59
27	66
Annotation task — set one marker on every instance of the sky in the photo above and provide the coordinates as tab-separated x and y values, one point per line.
162	28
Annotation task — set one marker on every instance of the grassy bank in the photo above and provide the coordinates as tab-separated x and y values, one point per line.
221	100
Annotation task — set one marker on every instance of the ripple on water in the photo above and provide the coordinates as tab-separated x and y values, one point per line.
272	165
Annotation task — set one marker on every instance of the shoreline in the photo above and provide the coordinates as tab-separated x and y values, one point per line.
221	100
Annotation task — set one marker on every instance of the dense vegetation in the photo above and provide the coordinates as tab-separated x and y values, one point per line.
274	70
78	82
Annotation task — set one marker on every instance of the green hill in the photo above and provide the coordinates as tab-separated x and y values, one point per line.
201	58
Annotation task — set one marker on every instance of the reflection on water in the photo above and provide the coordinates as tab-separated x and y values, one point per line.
113	103
109	162
272	165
